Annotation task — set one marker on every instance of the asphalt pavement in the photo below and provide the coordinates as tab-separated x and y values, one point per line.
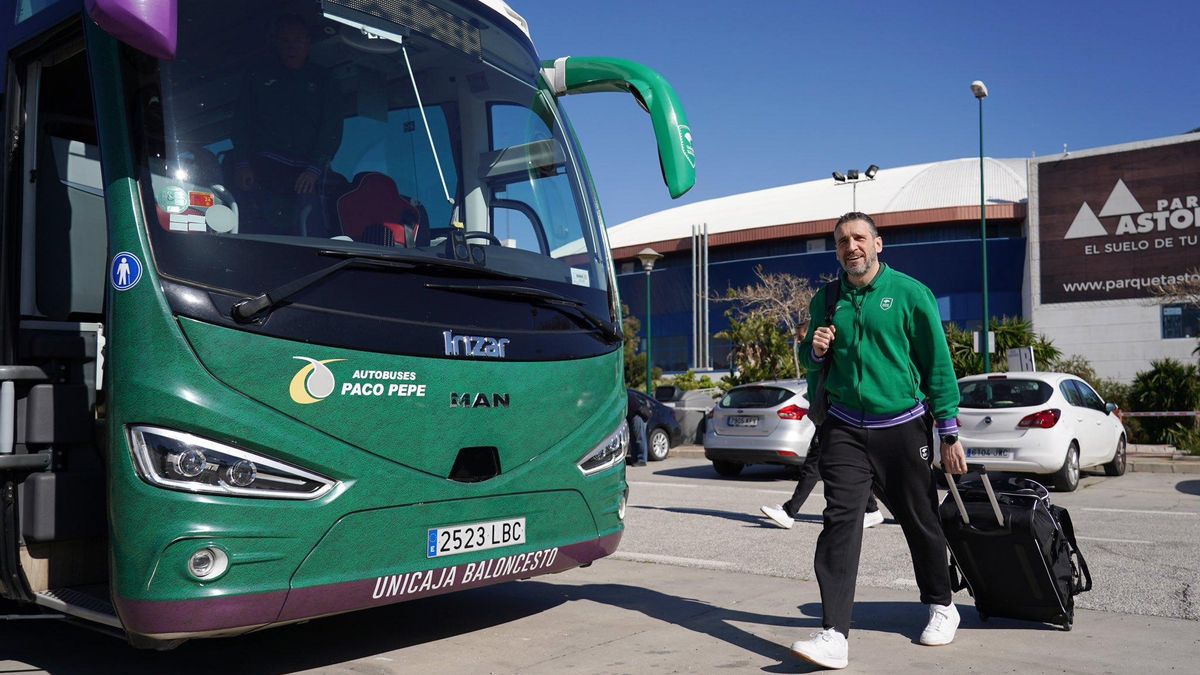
702	584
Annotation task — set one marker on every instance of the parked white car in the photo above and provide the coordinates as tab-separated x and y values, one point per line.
760	423
1041	423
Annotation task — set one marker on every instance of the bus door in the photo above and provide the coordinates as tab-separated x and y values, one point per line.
53	529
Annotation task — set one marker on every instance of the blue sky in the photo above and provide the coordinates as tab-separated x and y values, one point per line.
785	91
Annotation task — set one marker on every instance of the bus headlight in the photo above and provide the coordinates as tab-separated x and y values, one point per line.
608	453
179	461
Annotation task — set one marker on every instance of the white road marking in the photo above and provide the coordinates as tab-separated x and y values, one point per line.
671	560
694	486
1115	541
905	582
1151	513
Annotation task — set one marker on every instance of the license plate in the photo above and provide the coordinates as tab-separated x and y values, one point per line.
444	541
990	453
742	421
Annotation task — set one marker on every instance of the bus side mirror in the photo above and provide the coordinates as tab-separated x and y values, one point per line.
147	25
676	154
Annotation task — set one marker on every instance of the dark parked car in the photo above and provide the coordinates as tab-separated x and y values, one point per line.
662	431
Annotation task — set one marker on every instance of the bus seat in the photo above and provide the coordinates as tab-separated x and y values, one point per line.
374	211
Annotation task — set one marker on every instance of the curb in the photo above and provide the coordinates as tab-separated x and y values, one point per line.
1159	465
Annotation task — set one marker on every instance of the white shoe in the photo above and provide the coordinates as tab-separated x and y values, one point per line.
778	516
872	518
827	649
943	621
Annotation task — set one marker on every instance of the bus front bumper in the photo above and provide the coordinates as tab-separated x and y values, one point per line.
236	614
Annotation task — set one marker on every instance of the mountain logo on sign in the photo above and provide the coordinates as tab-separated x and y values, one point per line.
1120	202
1171	213
1086	224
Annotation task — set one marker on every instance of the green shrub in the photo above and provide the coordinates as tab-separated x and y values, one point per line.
687	381
1169	385
1011	332
759	349
1185	439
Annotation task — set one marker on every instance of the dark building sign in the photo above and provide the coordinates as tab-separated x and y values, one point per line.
1116	225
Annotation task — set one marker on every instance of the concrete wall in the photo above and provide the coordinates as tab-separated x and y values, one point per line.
1120	338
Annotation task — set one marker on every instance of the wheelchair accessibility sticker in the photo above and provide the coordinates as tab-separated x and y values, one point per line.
125	272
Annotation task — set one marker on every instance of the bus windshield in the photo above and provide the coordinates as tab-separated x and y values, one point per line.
285	133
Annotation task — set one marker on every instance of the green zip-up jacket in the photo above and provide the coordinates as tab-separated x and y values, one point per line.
889	350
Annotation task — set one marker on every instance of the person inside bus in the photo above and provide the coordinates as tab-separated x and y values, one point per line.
287	128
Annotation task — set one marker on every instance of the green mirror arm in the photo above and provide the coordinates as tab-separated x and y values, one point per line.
582	75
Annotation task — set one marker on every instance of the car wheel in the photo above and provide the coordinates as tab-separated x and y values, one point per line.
1117	466
660	444
1066	479
727	469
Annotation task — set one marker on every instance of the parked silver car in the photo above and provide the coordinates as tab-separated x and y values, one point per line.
759	423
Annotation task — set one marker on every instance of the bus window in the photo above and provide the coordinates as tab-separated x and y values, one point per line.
515	229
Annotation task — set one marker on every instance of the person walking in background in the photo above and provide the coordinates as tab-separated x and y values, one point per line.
890	372
639	414
784	515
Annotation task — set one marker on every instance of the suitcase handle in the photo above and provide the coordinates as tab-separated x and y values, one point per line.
987	485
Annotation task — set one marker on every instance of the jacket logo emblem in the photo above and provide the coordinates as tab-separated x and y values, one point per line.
925	452
885	304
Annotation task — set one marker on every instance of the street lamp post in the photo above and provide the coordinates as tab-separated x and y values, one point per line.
851	178
648	256
979	89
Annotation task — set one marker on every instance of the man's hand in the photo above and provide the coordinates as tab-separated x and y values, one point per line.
306	183
822	338
954	460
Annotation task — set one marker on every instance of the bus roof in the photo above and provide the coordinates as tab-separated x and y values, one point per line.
33	17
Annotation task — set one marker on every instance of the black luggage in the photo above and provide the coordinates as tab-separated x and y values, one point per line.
1015	550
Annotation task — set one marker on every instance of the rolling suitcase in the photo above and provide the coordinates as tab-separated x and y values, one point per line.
1013	550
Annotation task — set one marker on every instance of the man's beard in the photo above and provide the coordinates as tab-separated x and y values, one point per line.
868	262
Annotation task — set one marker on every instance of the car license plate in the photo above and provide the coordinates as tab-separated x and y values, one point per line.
990	453
444	541
742	421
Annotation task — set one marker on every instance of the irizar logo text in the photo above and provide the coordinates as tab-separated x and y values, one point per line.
474	345
1176	213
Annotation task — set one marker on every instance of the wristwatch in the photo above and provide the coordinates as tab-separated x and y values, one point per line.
949	439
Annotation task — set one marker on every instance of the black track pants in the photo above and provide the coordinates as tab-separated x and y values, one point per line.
809	475
896	461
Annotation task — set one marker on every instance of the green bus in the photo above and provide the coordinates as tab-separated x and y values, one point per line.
305	307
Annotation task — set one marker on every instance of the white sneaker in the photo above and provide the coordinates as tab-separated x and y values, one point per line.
943	621
778	516
872	518
827	649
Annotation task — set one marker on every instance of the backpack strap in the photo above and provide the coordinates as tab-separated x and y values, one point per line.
831	298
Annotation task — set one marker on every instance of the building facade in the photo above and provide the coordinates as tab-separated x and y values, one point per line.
1048	261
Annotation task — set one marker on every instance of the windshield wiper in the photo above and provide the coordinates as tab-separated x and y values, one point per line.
543	298
251	307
